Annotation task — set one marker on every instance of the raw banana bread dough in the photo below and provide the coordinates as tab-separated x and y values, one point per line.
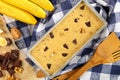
28	72
66	38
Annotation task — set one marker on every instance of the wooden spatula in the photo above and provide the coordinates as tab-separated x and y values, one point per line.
104	50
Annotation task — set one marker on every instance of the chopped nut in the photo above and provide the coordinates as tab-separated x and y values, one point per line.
81	15
61	34
82	30
18	69
12	78
15	33
40	74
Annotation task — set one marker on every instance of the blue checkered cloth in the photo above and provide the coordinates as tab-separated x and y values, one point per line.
108	9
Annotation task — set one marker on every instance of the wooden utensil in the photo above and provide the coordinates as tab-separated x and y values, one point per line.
112	42
105	53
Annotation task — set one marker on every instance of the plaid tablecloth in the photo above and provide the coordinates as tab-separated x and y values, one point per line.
109	9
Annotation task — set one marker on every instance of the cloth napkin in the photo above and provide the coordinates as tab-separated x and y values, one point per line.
108	9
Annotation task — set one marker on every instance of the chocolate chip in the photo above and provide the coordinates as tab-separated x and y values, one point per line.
82	7
11	71
65	46
17	63
88	24
46	48
51	35
64	54
9	41
1	74
14	55
74	41
49	66
76	20
66	29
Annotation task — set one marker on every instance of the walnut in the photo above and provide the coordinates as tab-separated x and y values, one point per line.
18	69
12	78
15	33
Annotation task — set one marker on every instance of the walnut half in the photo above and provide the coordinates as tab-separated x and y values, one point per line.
18	69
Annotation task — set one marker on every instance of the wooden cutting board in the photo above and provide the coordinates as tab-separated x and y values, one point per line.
28	72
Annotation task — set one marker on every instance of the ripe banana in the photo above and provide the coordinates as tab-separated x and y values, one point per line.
3	41
45	4
16	13
28	6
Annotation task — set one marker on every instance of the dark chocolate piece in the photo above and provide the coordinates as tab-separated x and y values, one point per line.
1	74
65	46
74	41
9	41
88	24
11	71
66	29
1	58
14	55
7	55
64	54
46	48
17	63
4	67
51	35
76	20
82	7
5	64
49	66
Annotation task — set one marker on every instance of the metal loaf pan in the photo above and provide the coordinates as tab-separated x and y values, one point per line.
102	27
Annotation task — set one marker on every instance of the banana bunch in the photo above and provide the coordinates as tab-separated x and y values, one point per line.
25	10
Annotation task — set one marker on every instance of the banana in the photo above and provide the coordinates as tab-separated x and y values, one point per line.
16	13
45	4
28	6
3	41
1	31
